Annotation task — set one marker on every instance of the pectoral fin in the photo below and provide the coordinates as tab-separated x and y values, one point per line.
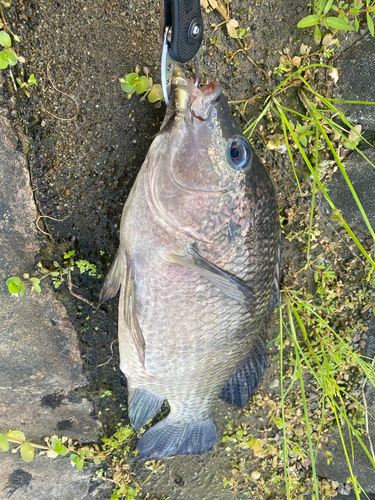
113	280
226	282
131	319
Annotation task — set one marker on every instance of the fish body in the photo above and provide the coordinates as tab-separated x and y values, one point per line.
198	270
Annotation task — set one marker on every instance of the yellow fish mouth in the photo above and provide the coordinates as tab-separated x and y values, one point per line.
187	96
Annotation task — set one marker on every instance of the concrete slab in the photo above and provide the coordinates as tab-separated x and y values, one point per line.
362	176
48	479
40	365
356	69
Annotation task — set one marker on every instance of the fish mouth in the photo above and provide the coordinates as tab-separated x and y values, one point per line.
211	88
203	99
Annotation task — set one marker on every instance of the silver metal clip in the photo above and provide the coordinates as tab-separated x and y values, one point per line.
167	65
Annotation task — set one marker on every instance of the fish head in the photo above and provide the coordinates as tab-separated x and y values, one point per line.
198	169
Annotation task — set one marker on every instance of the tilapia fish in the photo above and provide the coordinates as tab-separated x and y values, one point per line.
198	269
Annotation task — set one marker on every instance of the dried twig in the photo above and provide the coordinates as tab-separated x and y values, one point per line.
47	217
2	16
64	93
111	346
219	6
12	78
70	288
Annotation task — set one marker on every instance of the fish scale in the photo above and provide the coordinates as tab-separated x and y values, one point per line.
197	262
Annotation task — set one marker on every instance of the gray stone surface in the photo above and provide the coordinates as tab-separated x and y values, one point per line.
40	365
362	176
356	83
48	479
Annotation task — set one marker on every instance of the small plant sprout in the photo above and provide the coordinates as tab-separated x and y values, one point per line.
26	85
133	83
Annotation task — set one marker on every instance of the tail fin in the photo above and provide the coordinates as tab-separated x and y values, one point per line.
245	380
113	280
142	406
170	437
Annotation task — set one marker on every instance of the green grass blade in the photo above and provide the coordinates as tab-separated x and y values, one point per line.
285	445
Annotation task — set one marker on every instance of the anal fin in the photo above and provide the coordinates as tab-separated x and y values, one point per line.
246	379
142	406
170	437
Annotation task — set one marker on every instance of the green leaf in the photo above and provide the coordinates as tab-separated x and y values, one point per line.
156	93
61	449
132	78
13	288
18	435
32	80
126	87
14	279
328	6
27	452
5	40
35	280
22	290
37	288
338	23
142	85
11	55
4	443
370	24
356	23
308	21
97	461
317	35
320	6
115	496
4	62
80	463
69	254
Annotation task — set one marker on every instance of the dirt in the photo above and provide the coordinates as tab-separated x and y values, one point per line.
84	160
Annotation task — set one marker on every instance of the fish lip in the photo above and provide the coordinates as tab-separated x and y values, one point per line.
203	100
211	88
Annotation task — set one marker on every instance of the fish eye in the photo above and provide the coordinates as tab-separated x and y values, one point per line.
239	153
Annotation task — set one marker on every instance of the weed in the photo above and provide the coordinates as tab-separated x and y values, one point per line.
26	85
340	21
8	57
133	83
58	273
116	472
